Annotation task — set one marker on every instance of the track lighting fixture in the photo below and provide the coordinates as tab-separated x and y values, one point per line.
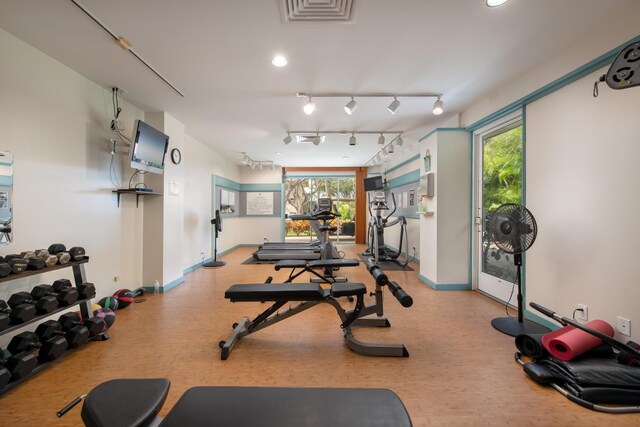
438	107
287	139
351	106
260	164
309	106
393	107
386	150
317	137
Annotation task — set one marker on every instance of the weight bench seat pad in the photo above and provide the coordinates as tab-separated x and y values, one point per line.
290	291
287	407
125	402
321	263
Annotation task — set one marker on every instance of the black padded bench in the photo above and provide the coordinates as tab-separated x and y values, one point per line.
328	266
308	295
136	402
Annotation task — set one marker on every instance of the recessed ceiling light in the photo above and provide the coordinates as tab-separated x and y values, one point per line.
279	61
278	152
494	3
345	157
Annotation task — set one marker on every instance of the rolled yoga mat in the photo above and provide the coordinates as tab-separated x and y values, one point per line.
569	342
531	345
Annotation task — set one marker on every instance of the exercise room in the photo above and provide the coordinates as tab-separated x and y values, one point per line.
319	213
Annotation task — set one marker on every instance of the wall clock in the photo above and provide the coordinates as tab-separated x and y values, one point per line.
176	156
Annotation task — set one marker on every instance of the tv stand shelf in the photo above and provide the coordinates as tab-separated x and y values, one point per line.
138	193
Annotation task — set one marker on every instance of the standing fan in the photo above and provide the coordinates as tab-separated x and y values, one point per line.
217	226
513	229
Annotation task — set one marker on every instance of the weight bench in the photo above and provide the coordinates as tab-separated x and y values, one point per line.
329	265
308	295
136	402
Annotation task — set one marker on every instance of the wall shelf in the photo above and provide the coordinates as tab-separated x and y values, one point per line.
138	193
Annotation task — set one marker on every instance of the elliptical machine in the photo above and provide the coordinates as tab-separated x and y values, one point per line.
376	247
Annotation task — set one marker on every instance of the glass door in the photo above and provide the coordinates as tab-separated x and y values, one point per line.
499	181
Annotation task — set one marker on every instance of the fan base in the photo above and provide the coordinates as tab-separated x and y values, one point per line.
212	264
511	326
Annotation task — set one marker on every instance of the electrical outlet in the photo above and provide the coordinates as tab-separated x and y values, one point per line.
624	326
584	314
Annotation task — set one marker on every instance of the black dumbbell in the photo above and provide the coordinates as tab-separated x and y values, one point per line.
48	350
85	290
19	314
77	253
65	296
18	365
75	336
60	251
18	265
95	325
49	260
43	305
5	269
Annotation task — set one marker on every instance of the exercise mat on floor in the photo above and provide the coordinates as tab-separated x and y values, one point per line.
531	345
387	265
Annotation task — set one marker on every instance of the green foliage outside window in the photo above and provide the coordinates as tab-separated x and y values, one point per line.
502	169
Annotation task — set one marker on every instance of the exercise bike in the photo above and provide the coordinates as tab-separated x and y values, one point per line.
376	247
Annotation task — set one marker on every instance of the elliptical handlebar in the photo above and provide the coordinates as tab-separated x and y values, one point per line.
393	197
326	215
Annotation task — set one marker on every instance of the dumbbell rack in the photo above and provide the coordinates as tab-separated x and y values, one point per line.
79	277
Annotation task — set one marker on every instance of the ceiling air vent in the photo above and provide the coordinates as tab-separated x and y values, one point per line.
317	10
309	139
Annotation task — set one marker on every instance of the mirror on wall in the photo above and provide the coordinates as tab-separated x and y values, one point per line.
6	197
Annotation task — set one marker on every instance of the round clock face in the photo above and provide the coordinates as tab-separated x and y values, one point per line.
176	156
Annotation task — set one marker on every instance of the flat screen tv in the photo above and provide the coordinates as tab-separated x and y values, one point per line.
373	184
148	148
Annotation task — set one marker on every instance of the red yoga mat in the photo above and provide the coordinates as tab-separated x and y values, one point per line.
570	342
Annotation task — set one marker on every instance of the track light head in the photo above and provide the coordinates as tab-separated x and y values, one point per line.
287	139
393	107
309	106
351	106
317	139
381	139
245	159
438	107
399	141
390	148
352	140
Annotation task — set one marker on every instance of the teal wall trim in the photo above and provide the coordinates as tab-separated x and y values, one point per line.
471	221
232	185
444	286
440	130
165	288
407	178
401	164
226	183
541	320
196	266
6	181
316	175
261	187
559	83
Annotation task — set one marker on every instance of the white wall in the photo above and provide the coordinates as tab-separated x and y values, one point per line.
55	122
582	180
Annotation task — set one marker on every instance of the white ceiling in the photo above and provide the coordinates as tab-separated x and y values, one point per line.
218	53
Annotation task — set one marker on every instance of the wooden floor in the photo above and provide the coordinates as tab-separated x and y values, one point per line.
460	371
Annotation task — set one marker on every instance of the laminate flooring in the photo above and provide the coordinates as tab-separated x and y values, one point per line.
460	372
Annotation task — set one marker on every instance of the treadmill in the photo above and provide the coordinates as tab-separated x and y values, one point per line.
301	250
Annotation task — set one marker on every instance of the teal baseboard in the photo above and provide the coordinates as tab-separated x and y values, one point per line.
541	320
444	286
196	266
165	288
